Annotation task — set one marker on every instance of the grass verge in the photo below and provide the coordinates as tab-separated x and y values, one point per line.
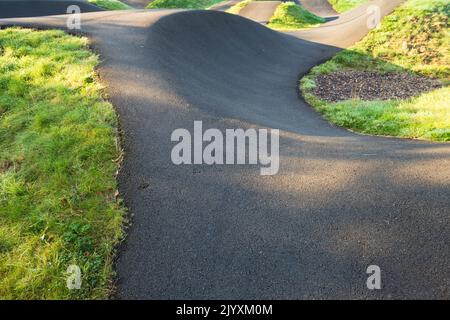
110	4
291	16
414	38
183	4
344	5
57	175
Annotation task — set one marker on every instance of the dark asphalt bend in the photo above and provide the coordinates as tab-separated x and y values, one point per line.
18	8
259	11
321	8
339	203
137	4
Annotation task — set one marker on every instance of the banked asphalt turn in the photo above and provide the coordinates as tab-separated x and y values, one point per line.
340	202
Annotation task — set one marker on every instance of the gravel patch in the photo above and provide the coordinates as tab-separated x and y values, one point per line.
371	85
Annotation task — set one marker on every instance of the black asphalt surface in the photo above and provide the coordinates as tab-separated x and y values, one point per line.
340	202
259	11
321	8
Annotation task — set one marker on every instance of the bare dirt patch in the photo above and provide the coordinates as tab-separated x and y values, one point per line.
371	85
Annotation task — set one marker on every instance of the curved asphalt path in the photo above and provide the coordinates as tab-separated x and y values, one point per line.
348	28
321	8
339	203
35	8
259	11
224	5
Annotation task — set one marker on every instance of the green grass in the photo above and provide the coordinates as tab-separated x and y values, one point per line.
184	4
415	39
290	16
239	6
344	5
287	16
57	174
110	4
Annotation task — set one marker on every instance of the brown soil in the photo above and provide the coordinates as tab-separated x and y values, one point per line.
371	85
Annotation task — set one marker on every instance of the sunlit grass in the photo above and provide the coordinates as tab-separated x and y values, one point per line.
57	175
425	117
414	38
